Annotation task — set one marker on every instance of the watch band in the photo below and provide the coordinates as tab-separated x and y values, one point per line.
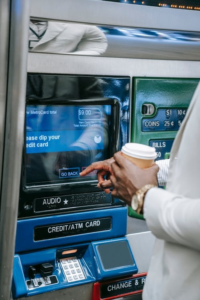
137	201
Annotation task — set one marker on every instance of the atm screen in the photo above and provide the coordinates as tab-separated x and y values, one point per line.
62	140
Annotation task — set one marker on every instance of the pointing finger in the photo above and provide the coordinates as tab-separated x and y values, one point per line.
96	166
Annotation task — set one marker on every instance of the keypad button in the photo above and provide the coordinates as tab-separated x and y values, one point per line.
73	271
81	276
71	266
65	267
75	277
76	265
78	270
67	273
69	278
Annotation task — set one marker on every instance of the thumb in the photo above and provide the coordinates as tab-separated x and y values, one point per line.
154	169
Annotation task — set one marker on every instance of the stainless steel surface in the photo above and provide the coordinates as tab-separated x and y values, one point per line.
13	140
152	48
125	42
81	292
142	247
4	38
136	225
109	13
84	65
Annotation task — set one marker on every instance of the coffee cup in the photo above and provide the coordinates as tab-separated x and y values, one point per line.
141	155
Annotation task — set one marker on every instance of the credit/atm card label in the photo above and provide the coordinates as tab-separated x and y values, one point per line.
118	288
162	147
166	119
72	228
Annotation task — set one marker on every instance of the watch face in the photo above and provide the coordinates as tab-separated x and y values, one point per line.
134	202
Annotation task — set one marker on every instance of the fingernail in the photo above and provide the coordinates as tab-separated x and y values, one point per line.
107	192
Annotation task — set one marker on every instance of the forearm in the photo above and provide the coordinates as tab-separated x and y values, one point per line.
173	218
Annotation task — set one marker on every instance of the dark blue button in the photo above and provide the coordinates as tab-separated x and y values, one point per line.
69	173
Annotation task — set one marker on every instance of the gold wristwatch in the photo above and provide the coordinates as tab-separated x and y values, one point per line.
137	201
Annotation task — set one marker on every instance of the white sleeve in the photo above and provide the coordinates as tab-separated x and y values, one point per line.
163	171
94	42
173	218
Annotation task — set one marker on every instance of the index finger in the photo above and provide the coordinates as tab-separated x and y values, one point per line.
99	165
119	159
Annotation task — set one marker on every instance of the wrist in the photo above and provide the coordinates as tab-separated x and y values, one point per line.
137	202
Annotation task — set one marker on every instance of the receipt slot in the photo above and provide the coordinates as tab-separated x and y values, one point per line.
124	287
63	267
159	108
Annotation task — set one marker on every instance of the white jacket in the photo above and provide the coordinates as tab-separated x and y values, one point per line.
72	38
173	216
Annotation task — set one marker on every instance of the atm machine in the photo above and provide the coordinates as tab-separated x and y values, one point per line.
74	233
62	237
71	228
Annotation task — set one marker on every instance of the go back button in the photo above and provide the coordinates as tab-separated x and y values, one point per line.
69	172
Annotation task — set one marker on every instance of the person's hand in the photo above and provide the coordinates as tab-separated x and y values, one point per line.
104	168
126	178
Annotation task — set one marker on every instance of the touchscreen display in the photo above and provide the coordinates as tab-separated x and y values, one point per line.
62	140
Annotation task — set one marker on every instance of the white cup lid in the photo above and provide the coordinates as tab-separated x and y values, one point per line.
139	151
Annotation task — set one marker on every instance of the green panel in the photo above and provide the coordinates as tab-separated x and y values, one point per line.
163	94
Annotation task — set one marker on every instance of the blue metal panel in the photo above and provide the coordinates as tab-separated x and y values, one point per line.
91	262
19	286
22	262
25	229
